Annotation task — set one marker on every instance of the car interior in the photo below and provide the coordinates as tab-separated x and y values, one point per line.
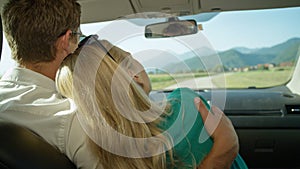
266	119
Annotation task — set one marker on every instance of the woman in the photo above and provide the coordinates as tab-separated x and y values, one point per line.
97	80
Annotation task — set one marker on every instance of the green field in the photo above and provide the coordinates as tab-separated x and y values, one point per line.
259	78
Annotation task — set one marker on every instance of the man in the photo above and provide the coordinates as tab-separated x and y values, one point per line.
41	33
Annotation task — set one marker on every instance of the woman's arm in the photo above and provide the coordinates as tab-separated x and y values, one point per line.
220	128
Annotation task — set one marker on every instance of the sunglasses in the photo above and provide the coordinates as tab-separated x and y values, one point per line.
79	34
93	39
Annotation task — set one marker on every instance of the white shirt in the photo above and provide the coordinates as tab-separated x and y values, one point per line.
30	99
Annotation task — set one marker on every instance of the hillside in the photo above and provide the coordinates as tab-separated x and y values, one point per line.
241	57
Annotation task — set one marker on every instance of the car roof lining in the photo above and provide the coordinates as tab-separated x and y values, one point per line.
103	10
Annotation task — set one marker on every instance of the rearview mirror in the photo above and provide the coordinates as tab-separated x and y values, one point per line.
171	29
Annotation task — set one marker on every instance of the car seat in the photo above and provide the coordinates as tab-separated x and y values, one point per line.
20	148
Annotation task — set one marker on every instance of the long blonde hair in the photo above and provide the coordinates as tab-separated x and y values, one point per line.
113	108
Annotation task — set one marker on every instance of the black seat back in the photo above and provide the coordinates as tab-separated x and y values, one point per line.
20	148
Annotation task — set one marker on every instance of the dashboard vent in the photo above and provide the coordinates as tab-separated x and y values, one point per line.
293	109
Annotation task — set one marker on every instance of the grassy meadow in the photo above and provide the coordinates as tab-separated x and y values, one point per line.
258	78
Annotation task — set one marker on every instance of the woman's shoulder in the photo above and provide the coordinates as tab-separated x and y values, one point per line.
184	96
182	92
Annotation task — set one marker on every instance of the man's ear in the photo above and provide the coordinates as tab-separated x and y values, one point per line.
63	41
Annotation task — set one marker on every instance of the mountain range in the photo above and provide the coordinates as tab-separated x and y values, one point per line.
238	57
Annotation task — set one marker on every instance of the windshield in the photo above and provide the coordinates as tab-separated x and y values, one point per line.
239	49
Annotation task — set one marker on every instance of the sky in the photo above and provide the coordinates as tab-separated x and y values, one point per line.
251	29
267	28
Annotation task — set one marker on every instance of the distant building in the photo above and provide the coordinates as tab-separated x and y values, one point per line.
266	66
286	64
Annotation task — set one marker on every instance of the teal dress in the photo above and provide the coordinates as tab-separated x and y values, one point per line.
184	124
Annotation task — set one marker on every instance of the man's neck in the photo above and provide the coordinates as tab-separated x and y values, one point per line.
48	69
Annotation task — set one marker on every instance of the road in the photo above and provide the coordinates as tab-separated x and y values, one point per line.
201	82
